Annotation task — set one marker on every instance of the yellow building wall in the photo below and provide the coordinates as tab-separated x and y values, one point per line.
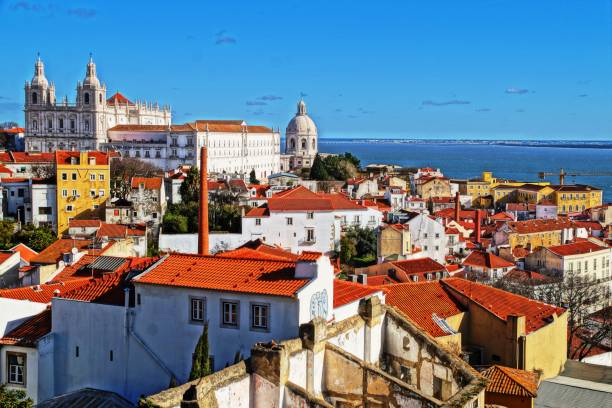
578	201
83	186
537	239
546	348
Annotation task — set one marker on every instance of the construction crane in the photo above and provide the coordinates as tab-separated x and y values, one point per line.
562	174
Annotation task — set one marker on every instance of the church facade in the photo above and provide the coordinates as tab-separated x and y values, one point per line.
83	124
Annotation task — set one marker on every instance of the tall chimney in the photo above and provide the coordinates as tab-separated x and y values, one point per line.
478	221
203	216
457	206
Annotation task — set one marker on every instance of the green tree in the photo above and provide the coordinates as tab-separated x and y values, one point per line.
190	188
7	231
318	171
201	360
175	223
122	171
14	398
358	246
253	178
37	238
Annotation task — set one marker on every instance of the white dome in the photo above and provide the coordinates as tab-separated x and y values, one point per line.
302	123
39	78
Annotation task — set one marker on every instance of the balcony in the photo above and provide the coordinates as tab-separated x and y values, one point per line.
307	242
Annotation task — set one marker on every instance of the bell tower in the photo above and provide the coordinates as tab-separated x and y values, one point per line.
38	92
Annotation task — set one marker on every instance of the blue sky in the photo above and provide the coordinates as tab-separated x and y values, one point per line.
421	69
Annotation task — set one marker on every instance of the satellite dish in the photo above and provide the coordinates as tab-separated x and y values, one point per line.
74	251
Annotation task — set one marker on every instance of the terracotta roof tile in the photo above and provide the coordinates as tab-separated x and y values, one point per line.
502	303
118	98
209	272
302	199
84	223
380	280
55	251
349	292
261	211
511	381
29	332
27	157
576	248
540	225
416	267
419	301
43	293
64	156
150	183
273	250
112	231
486	260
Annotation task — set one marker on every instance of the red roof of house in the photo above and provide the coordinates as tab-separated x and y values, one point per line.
261	211
13	130
380	280
42	293
576	248
28	157
502	216
4	255
64	156
520	252
107	289
232	126
540	225
511	381
74	223
589	225
502	303
302	199
150	183
112	231
55	251
419	267
211	272
214	185
486	260
522	275
450	213
118	98
260	190
348	292
5	170
420	300
252	253
14	179
273	250
29	332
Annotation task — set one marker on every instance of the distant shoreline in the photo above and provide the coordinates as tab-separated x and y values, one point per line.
569	144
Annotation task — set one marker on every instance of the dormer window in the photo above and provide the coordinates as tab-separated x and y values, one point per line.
74	160
92	161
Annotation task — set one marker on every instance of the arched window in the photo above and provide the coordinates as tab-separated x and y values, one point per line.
314	144
34	98
293	143
87	125
100	98
303	143
86	98
35	124
61	123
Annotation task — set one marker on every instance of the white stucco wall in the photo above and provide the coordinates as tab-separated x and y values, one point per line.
31	371
423	232
14	312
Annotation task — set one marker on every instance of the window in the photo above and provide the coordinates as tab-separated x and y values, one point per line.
257	221
229	309
61	123
86	125
405	374
20	192
92	193
16	365
75	193
101	177
69	208
138	300
74	176
260	316
86	98
357	219
64	193
44	210
76	351
35	124
101	193
49	124
310	235
197	309
110	355
289	221
34	98
72	124
310	215
92	177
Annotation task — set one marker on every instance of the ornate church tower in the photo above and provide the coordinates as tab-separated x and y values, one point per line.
38	91
301	138
91	99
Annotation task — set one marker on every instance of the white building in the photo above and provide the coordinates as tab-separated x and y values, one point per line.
301	139
429	235
300	219
148	197
81	125
233	146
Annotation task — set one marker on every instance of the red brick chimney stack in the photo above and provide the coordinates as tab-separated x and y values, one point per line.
203	213
478	221
457	206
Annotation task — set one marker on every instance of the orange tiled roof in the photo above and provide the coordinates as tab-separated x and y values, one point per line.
251	253
520	252
259	246
522	275
150	183
348	292
27	157
14	179
502	216
502	303
118	98
576	248
450	213
511	381
5	170
261	211
228	126
420	300
418	267
64	156
43	293
380	280
540	225
486	260
112	231
29	332
589	225
265	277
55	251
302	199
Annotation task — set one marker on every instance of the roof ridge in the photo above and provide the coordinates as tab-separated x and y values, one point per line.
509	372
